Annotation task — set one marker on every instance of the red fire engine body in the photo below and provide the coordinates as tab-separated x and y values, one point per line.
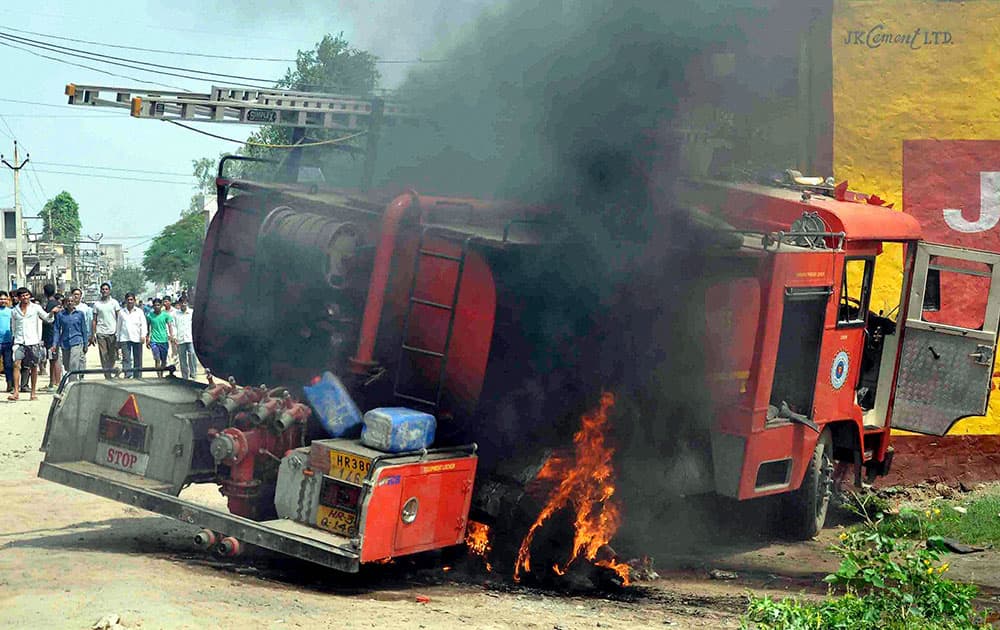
482	313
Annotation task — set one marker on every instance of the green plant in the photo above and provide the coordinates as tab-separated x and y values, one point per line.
882	582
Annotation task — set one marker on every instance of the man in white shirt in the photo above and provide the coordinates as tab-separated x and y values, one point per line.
185	340
26	322
105	328
132	331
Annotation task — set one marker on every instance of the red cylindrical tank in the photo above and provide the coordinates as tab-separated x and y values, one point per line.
451	288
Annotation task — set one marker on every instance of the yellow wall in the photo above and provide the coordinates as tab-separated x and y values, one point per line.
888	92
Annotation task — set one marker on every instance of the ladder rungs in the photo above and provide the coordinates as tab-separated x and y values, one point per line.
416	399
429	303
423	351
433	254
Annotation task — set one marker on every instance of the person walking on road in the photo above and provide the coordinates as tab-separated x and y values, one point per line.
132	331
71	336
160	336
7	341
83	307
29	350
52	300
104	329
169	309
185	340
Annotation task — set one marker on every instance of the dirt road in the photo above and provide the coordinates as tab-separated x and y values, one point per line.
67	558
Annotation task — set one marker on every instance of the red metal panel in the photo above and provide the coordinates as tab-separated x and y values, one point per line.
748	206
732	312
381	515
787	441
443	490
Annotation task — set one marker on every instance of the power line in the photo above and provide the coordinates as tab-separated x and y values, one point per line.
265	145
131	179
77	116
76	52
80	65
214	32
14	100
35	179
101	58
152	50
9	135
183	53
111	168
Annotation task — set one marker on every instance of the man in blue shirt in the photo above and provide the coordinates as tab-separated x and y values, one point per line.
6	341
71	334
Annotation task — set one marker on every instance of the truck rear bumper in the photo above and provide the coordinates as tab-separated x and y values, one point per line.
281	535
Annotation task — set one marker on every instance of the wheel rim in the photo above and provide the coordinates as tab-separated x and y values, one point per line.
824	489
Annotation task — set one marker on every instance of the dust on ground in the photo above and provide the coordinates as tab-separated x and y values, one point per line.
67	558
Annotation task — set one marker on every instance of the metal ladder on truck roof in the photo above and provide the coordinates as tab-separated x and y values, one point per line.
410	350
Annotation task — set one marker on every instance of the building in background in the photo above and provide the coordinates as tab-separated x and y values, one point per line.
112	257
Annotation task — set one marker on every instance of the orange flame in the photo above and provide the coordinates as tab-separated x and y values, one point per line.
587	484
477	538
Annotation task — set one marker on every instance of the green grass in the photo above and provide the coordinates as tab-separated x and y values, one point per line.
980	525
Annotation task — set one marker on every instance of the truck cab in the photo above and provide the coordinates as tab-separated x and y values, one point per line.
805	372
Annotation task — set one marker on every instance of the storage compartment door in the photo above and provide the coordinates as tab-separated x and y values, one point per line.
948	339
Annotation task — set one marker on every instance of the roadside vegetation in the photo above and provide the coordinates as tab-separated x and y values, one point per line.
974	522
892	574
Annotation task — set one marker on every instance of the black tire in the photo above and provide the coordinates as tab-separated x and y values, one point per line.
805	509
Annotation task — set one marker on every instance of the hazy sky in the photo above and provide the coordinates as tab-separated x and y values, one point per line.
94	141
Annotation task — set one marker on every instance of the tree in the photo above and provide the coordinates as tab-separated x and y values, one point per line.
174	254
128	279
331	66
61	218
204	171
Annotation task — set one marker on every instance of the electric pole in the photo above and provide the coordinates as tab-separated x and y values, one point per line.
19	227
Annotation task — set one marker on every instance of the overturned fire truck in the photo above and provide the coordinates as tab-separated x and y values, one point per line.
462	309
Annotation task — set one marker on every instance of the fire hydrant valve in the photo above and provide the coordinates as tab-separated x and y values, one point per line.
223	447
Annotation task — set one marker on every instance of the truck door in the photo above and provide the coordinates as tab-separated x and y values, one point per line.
948	339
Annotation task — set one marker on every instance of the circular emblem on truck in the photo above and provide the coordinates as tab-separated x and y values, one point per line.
840	368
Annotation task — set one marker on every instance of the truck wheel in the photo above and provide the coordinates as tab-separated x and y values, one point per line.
806	508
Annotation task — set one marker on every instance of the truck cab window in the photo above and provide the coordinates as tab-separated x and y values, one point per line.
956	292
855	291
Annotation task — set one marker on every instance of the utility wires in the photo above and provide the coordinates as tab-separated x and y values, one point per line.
151	50
264	144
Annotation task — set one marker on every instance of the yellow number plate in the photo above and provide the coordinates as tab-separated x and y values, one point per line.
337	521
349	467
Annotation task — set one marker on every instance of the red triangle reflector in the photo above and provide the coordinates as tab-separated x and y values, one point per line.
130	409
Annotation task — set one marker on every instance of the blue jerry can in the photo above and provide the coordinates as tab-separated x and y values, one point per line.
334	407
398	429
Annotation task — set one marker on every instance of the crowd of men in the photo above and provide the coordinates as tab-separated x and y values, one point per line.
54	335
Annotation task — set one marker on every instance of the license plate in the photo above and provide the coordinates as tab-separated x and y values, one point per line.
114	456
337	521
349	467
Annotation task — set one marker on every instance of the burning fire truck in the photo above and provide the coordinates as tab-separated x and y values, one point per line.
749	361
433	303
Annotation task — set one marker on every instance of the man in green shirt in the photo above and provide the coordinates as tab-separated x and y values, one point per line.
160	335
